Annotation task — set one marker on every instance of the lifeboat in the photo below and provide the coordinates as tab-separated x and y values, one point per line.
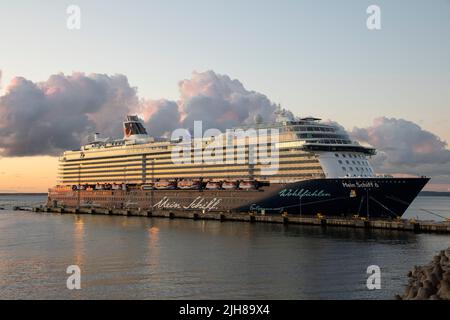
214	185
165	185
115	186
230	185
248	185
189	184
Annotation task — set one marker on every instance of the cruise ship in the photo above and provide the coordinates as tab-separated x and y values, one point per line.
303	166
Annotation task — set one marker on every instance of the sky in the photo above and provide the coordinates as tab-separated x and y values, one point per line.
313	57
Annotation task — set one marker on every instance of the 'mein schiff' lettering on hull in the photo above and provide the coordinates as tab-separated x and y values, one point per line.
198	203
303	193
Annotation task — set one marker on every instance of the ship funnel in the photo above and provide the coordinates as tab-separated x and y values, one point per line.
133	127
96	136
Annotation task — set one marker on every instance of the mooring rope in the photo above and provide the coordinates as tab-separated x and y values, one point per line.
385	207
314	202
431	212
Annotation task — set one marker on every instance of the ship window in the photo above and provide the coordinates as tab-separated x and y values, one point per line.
353	162
357	169
336	155
343	155
351	169
346	161
340	161
343	168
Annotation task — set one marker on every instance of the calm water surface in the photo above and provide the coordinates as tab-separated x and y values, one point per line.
151	258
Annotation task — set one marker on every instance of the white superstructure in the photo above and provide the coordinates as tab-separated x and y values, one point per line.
306	149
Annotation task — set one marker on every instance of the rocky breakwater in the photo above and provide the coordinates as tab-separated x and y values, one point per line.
430	282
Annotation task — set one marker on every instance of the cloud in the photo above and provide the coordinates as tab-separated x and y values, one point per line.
404	147
160	116
216	100
221	102
48	117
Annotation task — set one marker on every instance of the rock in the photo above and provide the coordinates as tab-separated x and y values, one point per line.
428	285
431	281
412	293
447	253
434	280
423	294
444	290
438	270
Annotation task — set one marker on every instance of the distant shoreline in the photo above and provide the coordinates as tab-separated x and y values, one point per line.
434	194
23	193
421	194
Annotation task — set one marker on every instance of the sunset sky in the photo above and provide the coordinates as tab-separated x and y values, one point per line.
389	87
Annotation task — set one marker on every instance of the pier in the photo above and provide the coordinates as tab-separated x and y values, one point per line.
322	221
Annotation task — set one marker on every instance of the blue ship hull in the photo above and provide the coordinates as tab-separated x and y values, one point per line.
367	197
